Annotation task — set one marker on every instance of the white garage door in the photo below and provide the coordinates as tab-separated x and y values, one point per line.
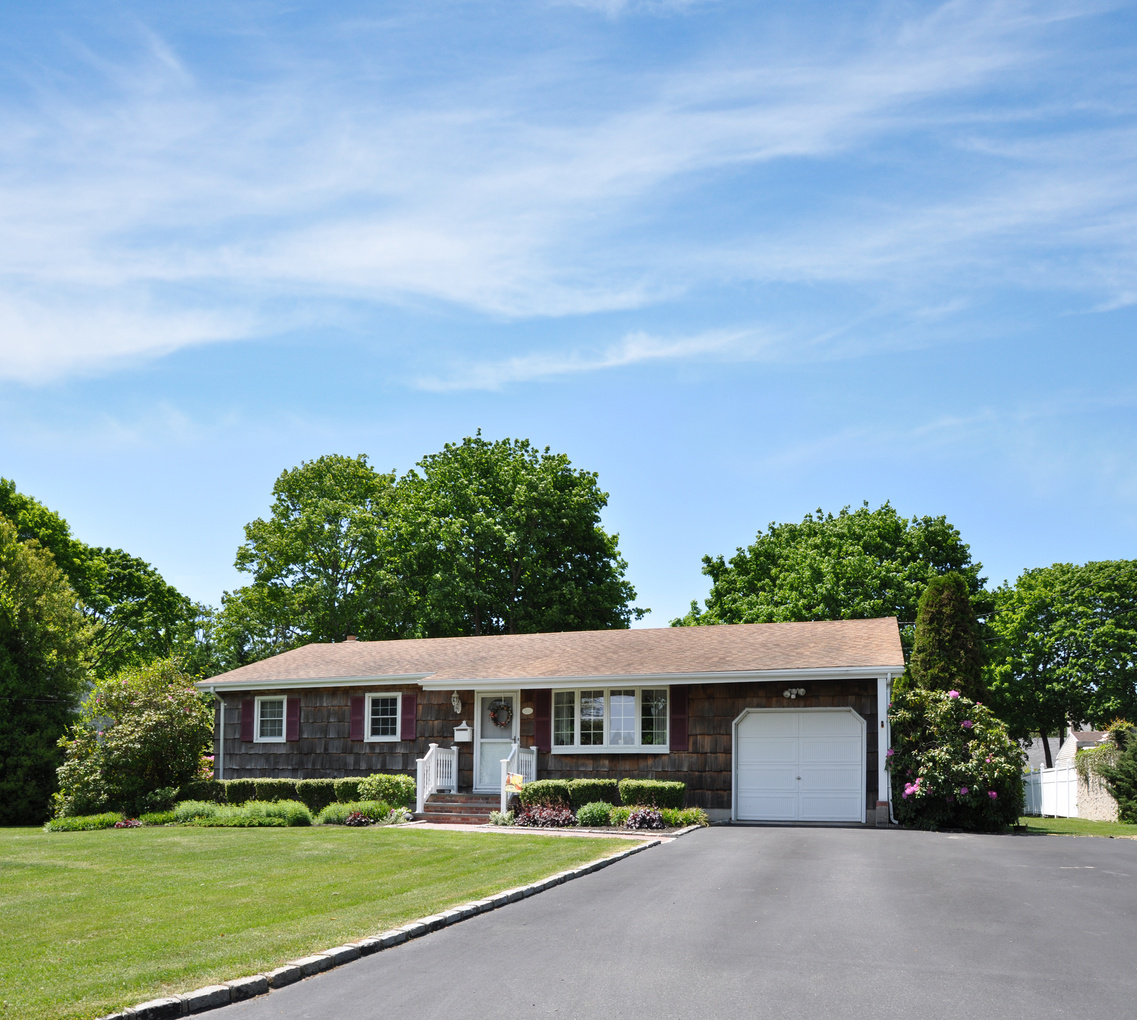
806	766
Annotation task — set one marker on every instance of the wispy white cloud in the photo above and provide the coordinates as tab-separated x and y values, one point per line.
168	207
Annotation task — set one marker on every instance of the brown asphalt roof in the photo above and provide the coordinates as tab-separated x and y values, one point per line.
839	644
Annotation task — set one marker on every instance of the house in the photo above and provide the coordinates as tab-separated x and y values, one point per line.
763	722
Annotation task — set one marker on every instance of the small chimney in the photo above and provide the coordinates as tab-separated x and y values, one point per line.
351	637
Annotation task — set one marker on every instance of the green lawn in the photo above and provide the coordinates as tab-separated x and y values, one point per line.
94	921
1076	827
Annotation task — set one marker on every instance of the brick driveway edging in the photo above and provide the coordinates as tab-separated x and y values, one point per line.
213	996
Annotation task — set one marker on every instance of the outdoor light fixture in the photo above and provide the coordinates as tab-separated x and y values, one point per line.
456	702
793	692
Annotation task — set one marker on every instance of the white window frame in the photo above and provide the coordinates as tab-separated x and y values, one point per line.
257	738
605	748
398	696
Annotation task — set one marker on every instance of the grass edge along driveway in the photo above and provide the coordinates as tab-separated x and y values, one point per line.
95	921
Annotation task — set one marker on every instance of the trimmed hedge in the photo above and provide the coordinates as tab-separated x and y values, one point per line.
652	793
237	791
589	791
347	790
546	793
396	789
268	791
316	794
204	789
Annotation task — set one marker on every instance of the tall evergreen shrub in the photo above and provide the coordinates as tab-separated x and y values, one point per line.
947	650
1121	778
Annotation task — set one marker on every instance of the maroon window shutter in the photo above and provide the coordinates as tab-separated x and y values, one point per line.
357	718
292	719
408	721
679	718
543	720
248	707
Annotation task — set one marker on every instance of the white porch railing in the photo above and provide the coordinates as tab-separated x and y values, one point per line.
1052	792
522	760
437	771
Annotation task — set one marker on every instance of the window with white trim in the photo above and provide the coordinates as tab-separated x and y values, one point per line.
610	719
270	720
382	716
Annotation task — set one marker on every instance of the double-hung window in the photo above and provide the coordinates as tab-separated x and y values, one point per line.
610	719
270	720
382	715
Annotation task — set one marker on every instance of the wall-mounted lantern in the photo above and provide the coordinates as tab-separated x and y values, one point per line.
793	693
456	702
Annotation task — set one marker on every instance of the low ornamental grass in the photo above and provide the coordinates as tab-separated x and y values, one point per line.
338	814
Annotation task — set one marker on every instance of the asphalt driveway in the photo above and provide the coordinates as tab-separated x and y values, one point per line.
777	922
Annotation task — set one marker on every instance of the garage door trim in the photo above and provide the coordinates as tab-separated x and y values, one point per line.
797	711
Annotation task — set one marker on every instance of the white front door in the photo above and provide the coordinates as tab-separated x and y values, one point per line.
495	726
806	765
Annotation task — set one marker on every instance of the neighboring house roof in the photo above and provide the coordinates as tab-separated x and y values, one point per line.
1078	740
839	648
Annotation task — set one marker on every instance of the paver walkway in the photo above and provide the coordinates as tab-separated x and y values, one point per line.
782	923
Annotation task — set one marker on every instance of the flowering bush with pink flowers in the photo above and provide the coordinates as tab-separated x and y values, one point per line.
953	763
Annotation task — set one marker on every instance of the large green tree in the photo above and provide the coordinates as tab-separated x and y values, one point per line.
1064	647
503	538
45	644
139	616
857	564
324	564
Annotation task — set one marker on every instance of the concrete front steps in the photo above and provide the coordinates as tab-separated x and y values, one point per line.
460	808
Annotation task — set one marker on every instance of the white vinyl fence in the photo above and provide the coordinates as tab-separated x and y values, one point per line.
1052	792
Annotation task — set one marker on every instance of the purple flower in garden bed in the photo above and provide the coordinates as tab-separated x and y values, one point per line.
963	791
967	724
128	823
645	818
953	695
541	817
358	818
992	794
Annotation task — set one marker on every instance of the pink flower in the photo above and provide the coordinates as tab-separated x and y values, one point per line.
963	791
953	695
967	724
988	757
890	752
992	794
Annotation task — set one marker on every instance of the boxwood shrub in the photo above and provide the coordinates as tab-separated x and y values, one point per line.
204	789
347	789
237	791
589	791
394	788
271	790
652	793
316	794
546	793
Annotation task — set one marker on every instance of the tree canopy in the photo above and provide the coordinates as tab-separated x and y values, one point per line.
1064	646
45	645
857	564
483	538
138	616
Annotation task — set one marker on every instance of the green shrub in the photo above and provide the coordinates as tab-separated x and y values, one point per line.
237	791
501	818
234	819
652	793
188	810
337	813
396	789
158	817
596	812
140	731
204	789
619	815
953	763
347	789
269	790
162	799
589	791
83	823
317	794
1121	777
546	793
680	818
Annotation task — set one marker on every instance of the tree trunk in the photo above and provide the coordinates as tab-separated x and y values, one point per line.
1046	751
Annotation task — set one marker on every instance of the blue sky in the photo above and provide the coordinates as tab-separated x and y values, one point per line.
744	260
